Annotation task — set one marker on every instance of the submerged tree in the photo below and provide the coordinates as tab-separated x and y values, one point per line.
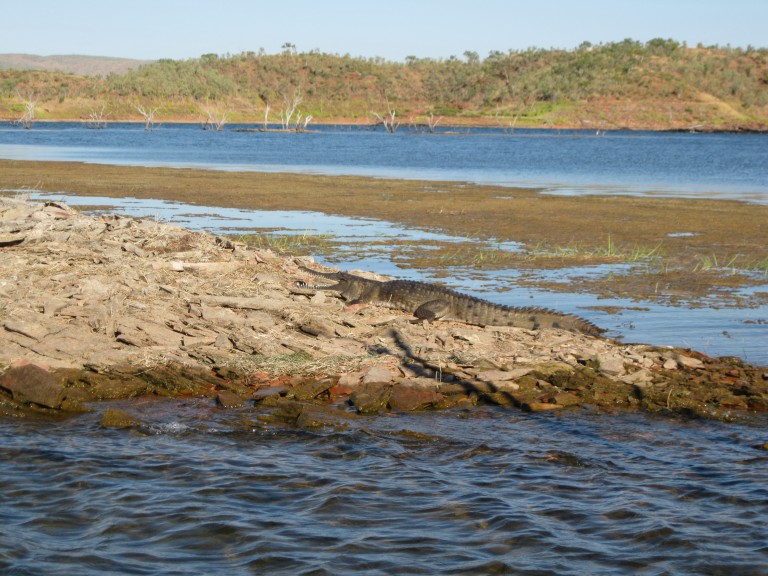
30	104
149	116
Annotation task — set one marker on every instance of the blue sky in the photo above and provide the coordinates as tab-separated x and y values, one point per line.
393	29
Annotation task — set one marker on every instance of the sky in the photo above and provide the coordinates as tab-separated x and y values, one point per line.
391	29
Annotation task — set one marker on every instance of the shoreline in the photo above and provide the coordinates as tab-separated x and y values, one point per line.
454	123
106	308
672	243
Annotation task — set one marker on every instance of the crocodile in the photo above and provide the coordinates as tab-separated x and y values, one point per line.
432	302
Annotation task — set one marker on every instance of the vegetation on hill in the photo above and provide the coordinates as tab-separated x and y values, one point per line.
660	84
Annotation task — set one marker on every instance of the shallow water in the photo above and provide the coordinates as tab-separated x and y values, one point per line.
209	491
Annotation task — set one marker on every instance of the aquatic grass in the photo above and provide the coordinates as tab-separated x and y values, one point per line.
736	263
610	249
287	243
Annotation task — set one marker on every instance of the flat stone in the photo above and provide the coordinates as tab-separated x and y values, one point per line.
405	398
378	375
688	362
32	384
227	399
498	376
29	329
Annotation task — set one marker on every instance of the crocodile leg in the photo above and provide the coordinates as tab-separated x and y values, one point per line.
433	310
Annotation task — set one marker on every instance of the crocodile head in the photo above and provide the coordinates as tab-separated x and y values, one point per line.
350	287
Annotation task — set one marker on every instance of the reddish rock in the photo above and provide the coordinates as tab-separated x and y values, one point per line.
227	399
31	384
406	398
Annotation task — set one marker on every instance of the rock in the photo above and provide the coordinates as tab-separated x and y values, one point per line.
227	399
317	327
25	328
7	240
689	362
405	398
541	406
370	398
32	384
670	364
378	375
318	416
503	375
270	396
611	365
318	299
114	418
312	389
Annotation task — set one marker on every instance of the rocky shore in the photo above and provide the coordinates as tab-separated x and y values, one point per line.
110	308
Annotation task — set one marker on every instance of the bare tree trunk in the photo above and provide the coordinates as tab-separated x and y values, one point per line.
432	122
388	120
97	119
301	124
148	115
30	104
215	120
266	117
289	108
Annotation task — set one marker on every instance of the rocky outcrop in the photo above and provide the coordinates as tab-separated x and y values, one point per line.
99	308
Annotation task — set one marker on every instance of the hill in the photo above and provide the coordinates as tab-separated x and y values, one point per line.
71	63
660	84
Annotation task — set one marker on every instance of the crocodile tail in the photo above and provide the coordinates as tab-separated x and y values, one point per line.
546	318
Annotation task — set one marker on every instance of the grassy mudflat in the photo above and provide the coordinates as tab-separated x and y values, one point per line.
679	247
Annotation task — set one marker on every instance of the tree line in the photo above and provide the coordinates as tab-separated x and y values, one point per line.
507	86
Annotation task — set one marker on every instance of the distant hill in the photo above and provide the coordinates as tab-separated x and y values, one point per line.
658	85
71	63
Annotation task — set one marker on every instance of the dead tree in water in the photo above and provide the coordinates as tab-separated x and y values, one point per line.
148	115
30	104
289	108
302	122
266	116
97	119
215	120
388	120
432	122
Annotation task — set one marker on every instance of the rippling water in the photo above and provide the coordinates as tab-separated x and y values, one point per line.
208	491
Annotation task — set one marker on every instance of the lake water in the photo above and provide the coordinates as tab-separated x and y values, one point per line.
200	490
618	162
210	491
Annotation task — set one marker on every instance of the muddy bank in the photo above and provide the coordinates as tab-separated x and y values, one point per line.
111	308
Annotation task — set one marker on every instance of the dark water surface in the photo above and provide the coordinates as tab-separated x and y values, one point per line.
207	491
